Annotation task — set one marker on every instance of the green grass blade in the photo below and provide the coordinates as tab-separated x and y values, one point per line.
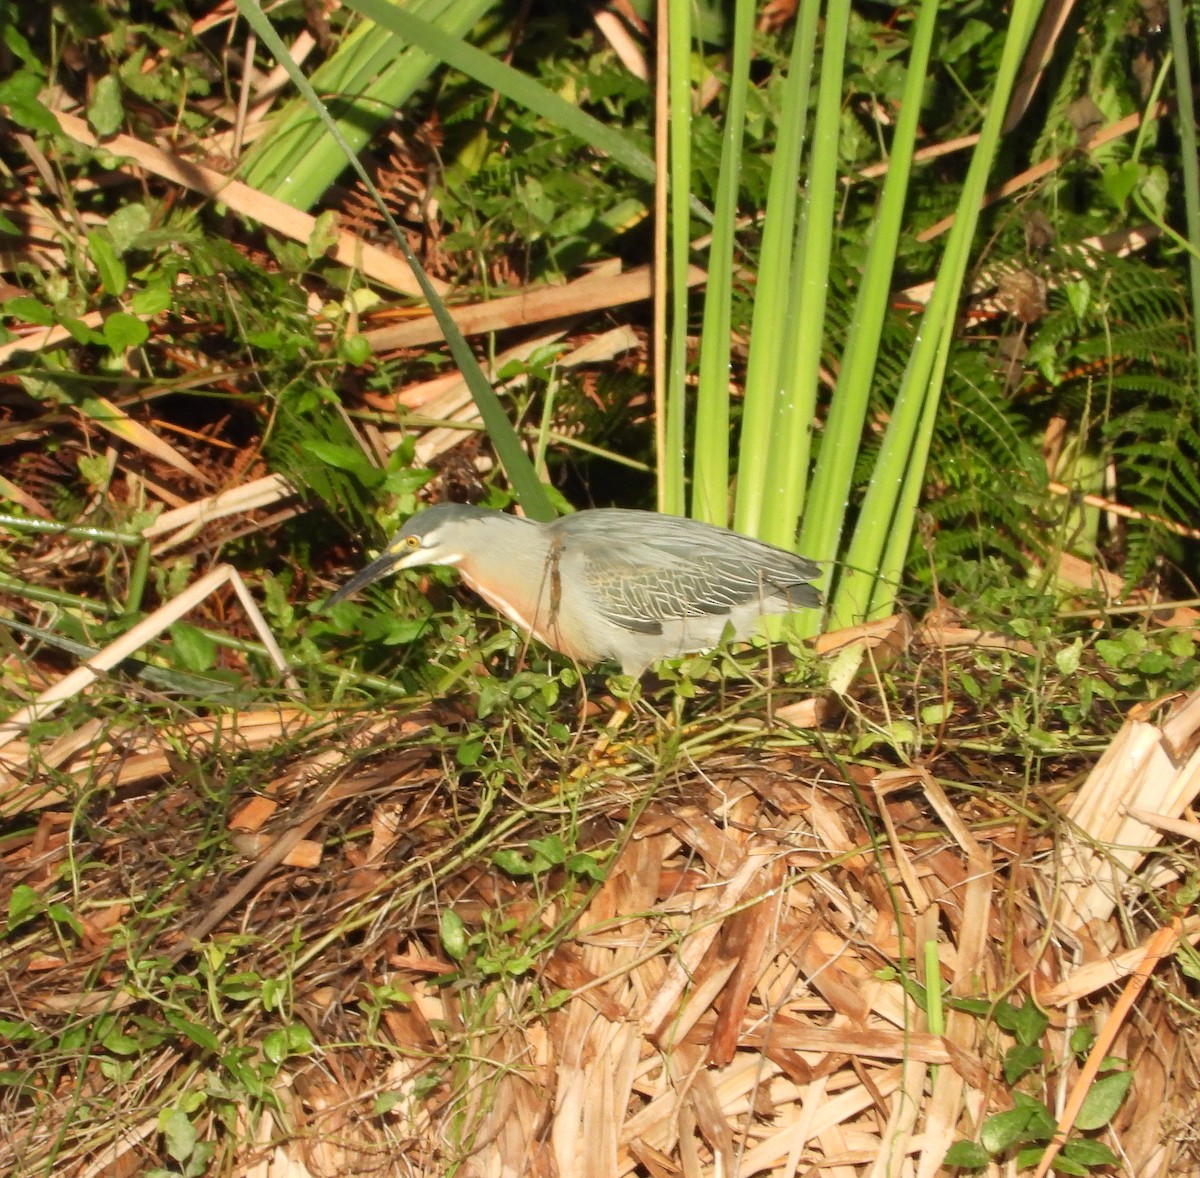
509	82
768	323
795	406
1185	125
710	463
824	517
672	491
880	545
368	77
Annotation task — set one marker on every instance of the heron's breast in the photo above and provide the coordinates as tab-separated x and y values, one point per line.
534	596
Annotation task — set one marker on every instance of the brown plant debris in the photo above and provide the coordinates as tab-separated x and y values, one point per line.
742	994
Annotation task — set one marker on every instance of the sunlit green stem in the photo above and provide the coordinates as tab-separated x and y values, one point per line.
710	466
881	538
795	407
673	492
768	323
825	514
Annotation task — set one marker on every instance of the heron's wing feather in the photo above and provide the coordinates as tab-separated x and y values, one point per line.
644	569
641	594
647	536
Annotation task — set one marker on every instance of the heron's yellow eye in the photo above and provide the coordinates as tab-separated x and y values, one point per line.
412	542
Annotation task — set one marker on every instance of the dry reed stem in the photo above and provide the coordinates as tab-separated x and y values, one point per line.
126	758
595	292
348	249
187	521
1039	170
1141	771
135	638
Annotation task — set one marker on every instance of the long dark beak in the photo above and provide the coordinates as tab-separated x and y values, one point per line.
383	564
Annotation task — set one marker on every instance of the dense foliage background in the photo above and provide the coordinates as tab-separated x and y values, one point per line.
1072	369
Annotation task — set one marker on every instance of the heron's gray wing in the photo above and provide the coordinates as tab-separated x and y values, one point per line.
644	570
617	531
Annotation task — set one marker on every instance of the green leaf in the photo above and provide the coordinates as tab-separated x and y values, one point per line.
196	649
1082	1038
1020	1060
517	966
968	1154
397	631
354	350
65	918
344	457
20	87
1030	1024
81	333
1102	1101
127	224
1041	1122
1154	662
973	33
22	1080
1089	1152
324	235
179	1134
106	112
1067	658
119	1043
28	310
1189	963
123	331
1154	185
18	44
273	993
453	935
109	266
294	1039
19	93
587	866
24	904
1120	180
1004	1130
1079	296
119	1071
550	849
386	1101
197	1164
16	1031
512	863
1028	1158
33	116
240	986
153	299
269	340
275	1046
200	1035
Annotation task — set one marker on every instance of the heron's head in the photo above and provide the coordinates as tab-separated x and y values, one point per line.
443	534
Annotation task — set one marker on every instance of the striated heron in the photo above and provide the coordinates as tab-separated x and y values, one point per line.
630	586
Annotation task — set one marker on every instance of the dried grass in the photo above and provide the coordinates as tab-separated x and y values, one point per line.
729	1001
